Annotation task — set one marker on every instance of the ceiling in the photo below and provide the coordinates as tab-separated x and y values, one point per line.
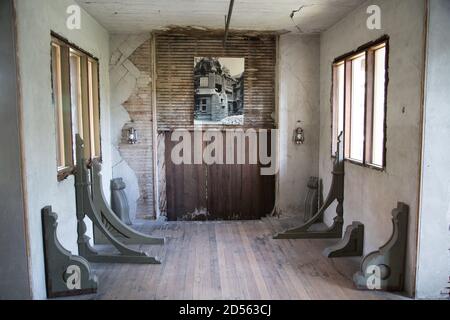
130	16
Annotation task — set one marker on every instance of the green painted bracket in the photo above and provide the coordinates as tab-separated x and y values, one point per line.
304	232
65	274
117	227
352	245
336	194
86	207
384	270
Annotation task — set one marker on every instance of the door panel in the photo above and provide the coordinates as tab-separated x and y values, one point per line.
218	191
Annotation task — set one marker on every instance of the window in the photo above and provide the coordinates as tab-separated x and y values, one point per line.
204	105
94	109
204	82
359	103
61	88
76	101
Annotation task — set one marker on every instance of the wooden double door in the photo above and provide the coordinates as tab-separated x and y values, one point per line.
217	191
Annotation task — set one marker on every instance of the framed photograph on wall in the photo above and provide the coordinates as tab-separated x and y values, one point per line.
219	91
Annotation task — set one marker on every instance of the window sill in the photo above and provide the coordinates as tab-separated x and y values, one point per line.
368	166
63	174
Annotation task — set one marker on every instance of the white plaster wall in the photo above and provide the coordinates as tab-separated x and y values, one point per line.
35	20
370	195
299	100
433	270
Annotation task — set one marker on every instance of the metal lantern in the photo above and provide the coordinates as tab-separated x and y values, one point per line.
132	136
299	136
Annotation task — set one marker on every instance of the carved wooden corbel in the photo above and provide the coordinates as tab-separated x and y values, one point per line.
109	219
352	245
385	269
65	274
336	194
86	207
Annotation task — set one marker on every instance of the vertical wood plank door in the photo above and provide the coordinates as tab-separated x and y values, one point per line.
217	191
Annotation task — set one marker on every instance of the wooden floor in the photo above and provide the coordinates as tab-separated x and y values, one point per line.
231	260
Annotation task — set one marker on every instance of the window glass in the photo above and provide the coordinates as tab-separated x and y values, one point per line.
57	102
204	82
75	96
357	108
338	102
379	107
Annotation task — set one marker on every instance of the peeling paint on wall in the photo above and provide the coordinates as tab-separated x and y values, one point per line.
131	106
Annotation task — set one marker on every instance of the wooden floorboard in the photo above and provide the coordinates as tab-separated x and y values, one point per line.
231	260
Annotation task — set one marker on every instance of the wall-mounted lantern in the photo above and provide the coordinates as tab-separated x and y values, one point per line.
132	136
299	135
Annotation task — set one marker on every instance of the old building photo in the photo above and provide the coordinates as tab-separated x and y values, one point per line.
219	91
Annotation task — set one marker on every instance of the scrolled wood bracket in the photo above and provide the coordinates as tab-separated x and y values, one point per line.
117	227
86	207
65	274
385	269
336	193
351	245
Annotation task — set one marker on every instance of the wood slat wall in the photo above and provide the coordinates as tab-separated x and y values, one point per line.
224	192
175	85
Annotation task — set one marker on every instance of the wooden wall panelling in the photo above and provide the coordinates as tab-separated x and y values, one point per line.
225	189
268	185
224	192
195	189
185	186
